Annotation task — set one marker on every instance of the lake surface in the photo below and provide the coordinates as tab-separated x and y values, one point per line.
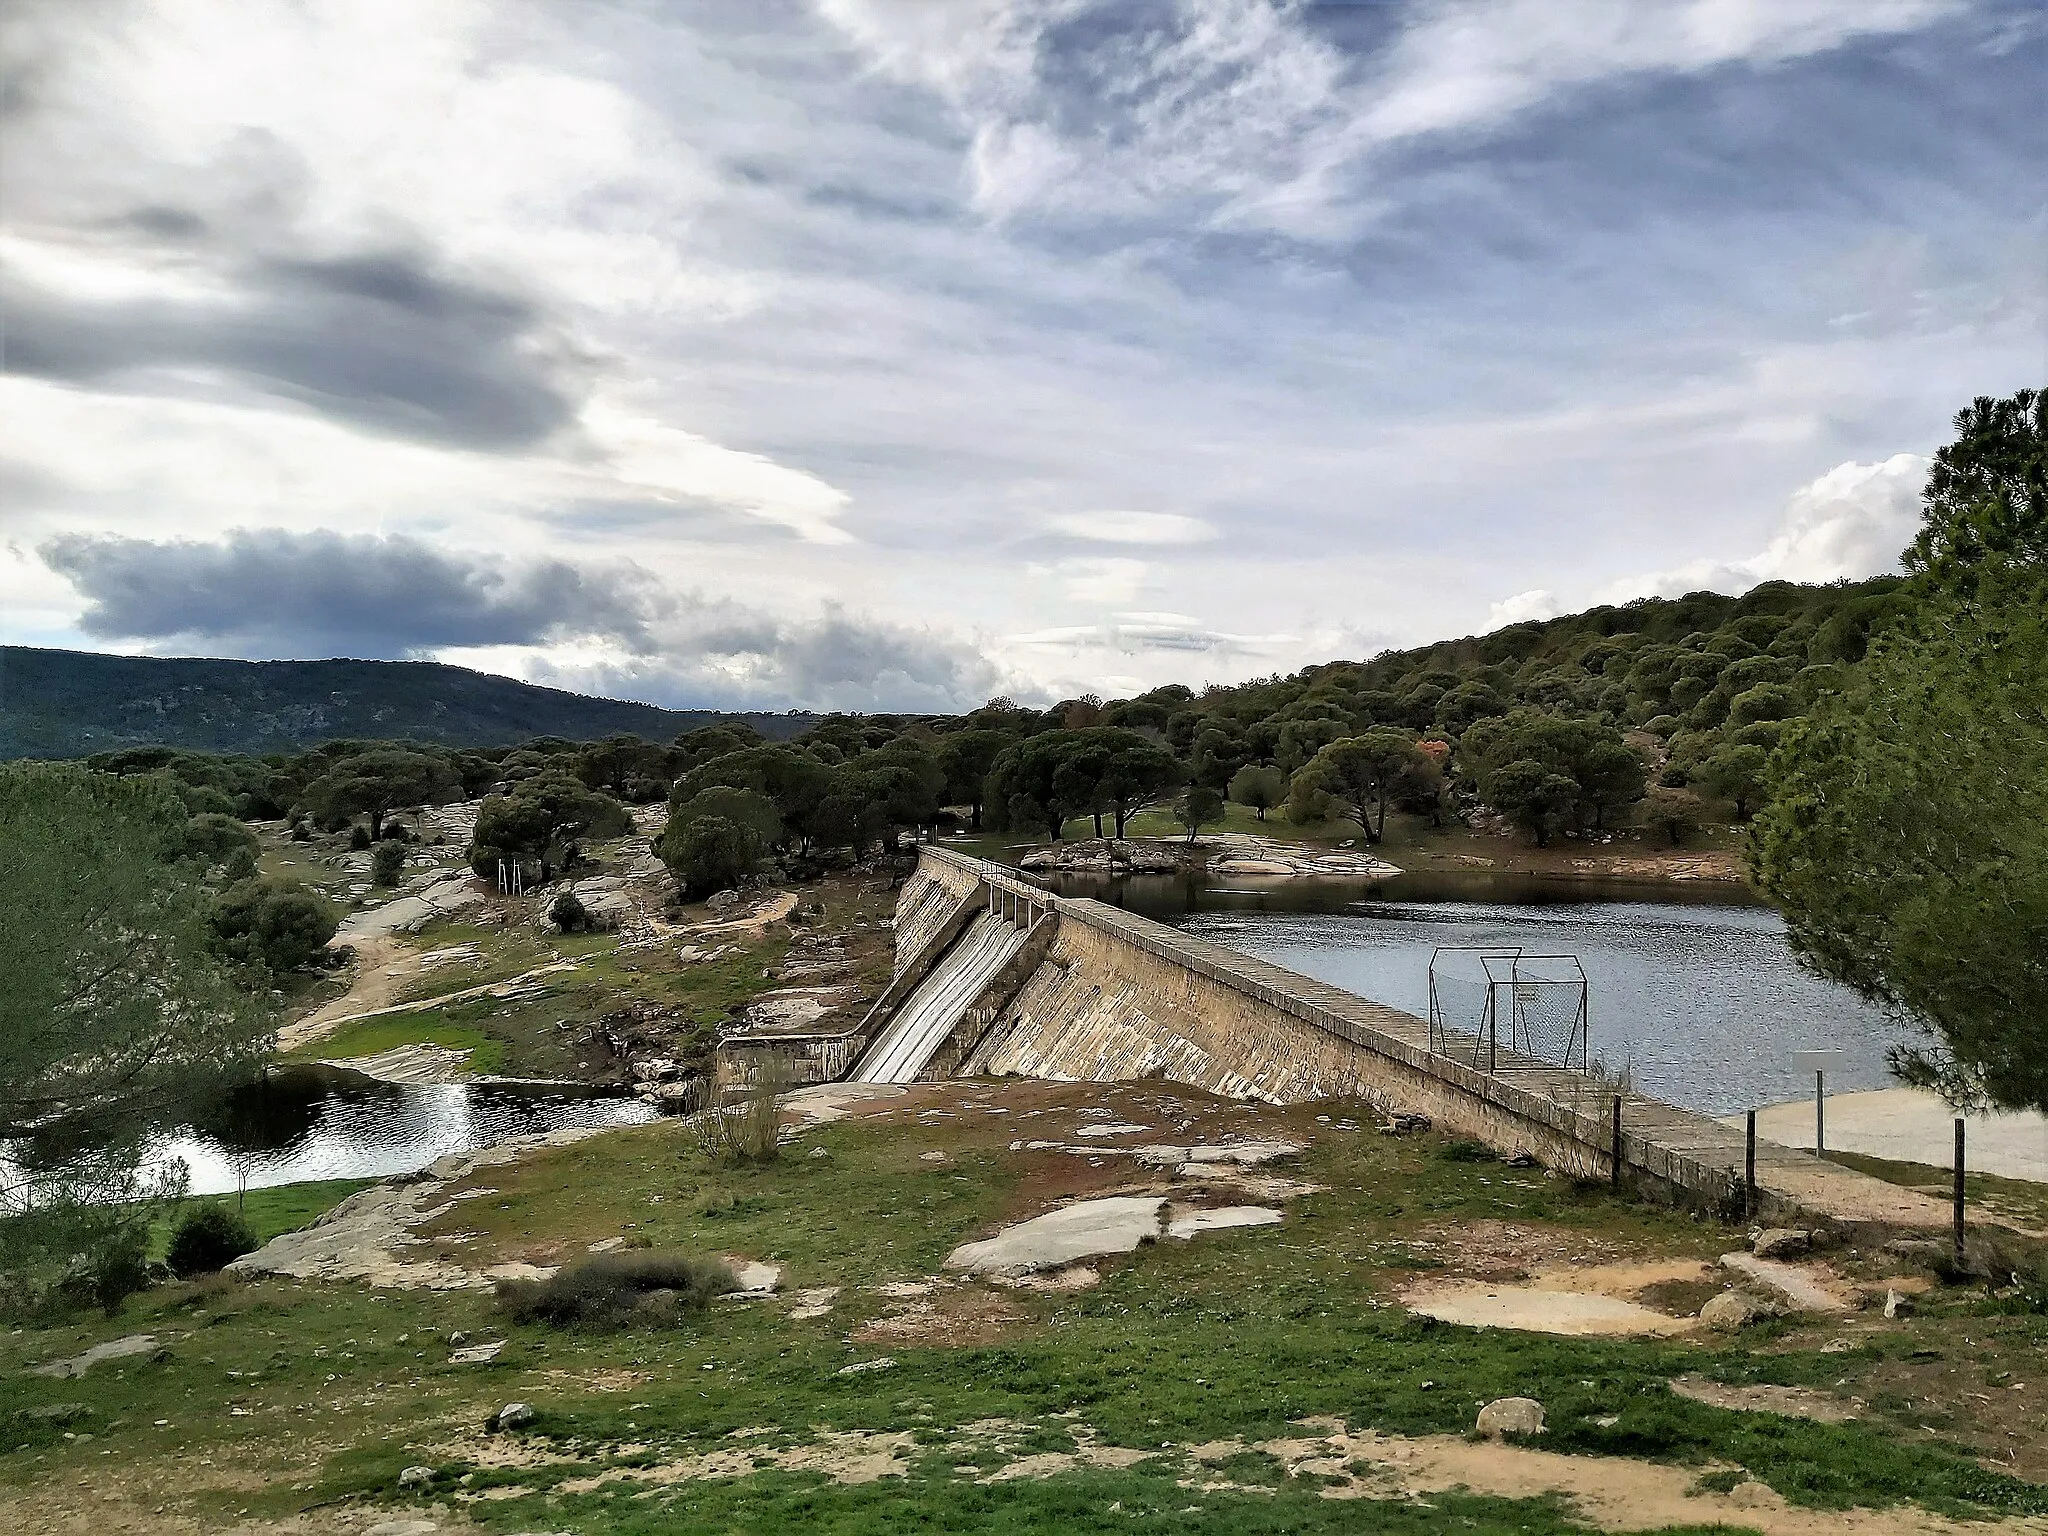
318	1122
1691	986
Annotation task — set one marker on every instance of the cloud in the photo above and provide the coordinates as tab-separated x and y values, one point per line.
1089	580
383	339
1132	527
268	592
611	629
1523	606
1135	633
1470	66
1265	115
1847	524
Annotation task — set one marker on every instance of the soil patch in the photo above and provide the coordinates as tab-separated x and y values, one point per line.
1792	1402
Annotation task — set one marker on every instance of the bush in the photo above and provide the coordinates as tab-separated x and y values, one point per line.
207	1238
619	1290
359	838
568	913
387	863
712	854
114	1268
748	1130
278	924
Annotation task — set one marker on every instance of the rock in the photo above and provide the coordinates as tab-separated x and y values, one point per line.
722	901
1403	1123
1800	1289
1919	1250
862	1367
402	1528
1780	1243
477	1354
753	1279
113	1349
1732	1311
412	1477
458	1337
1511	1416
1897	1304
513	1416
608	1245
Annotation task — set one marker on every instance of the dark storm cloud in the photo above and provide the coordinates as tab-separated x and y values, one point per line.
272	593
275	593
383	340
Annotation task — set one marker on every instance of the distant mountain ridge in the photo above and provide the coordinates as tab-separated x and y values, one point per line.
72	703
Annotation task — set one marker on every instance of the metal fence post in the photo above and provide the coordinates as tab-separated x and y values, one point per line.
1615	1171
1749	1172
1959	1191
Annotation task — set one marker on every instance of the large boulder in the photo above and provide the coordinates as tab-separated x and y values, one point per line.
1781	1243
1732	1311
1511	1416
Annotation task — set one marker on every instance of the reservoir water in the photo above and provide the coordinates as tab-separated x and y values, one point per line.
1692	988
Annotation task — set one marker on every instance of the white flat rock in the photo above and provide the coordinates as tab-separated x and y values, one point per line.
1798	1287
1532	1309
1090	1228
113	1349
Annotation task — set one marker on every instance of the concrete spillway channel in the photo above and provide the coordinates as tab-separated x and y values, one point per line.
935	1009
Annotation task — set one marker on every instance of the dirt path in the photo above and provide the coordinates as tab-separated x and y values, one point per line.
383	965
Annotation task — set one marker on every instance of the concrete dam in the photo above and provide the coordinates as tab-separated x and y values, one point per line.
995	976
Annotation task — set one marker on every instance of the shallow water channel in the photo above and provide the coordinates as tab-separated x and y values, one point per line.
318	1122
1692	987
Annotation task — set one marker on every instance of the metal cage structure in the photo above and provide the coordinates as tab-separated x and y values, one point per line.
1543	1001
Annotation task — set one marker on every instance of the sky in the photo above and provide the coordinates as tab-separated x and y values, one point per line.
896	354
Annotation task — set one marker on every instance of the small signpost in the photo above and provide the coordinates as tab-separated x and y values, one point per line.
1817	1061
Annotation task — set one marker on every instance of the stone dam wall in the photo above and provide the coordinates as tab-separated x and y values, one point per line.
1109	996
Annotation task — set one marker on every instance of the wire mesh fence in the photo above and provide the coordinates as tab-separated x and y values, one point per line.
1503	1008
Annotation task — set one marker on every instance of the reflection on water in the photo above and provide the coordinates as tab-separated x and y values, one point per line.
1692	988
317	1122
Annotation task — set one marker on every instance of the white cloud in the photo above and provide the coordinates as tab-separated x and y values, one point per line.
1523	606
1132	527
641	452
1244	110
1098	580
1849	523
1133	633
1472	64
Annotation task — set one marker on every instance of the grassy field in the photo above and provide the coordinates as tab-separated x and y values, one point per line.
274	1398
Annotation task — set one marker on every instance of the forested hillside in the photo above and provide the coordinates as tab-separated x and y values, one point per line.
73	703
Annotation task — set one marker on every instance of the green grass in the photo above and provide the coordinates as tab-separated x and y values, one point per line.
1233	1335
446	1027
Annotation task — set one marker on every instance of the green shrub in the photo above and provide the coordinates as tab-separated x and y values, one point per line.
275	923
619	1290
207	1238
114	1268
359	838
1463	1149
711	854
387	862
568	913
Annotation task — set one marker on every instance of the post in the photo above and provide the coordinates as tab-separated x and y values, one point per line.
1820	1112
1749	1172
1959	1191
1615	1149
